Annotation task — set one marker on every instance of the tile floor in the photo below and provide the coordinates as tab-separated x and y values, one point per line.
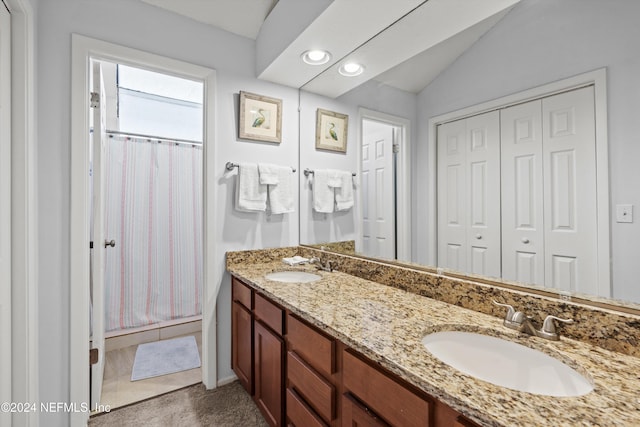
118	389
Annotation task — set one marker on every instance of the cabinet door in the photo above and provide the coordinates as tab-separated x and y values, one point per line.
268	374
383	394
242	345
299	413
355	414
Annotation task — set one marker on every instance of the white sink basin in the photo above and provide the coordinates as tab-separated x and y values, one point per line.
293	276
506	364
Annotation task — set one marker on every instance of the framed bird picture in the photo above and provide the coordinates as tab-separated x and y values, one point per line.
331	130
260	118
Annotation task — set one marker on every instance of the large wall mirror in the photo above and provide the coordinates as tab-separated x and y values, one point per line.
531	51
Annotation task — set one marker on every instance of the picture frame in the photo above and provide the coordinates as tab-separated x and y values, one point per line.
260	118
331	130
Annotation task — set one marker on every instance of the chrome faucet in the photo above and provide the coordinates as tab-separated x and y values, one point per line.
520	322
324	267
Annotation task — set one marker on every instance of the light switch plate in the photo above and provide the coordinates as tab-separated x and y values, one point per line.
624	213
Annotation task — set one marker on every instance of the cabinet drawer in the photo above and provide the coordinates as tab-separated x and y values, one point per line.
299	413
241	293
314	389
386	397
354	414
313	346
270	314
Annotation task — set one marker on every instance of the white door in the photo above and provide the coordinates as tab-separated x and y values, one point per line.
378	190
5	211
522	193
98	251
483	197
469	195
570	191
452	231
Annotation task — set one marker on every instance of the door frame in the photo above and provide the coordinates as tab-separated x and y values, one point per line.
403	215
24	214
597	78
83	49
5	210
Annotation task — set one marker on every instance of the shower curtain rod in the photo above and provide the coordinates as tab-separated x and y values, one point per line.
157	138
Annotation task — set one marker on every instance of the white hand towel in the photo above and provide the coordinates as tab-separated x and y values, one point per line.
323	195
281	199
268	173
251	196
295	260
344	194
335	178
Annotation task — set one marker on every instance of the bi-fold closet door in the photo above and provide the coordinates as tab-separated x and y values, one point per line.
544	194
469	195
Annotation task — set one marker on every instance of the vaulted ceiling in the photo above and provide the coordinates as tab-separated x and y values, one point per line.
402	43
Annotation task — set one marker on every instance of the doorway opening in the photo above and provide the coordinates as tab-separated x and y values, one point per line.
146	222
84	50
385	172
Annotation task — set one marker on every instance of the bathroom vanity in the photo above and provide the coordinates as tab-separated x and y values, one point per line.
344	350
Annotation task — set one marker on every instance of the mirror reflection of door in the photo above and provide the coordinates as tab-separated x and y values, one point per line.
516	193
379	189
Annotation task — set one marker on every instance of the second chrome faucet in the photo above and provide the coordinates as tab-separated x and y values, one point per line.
520	322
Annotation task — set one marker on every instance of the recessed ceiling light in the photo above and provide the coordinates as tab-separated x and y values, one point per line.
351	69
316	57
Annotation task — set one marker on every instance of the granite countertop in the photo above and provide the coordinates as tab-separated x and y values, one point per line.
388	324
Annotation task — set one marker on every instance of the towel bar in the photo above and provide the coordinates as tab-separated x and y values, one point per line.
230	166
308	171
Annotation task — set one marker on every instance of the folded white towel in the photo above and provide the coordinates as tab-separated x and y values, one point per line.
344	194
251	196
335	178
295	260
281	195
268	173
323	195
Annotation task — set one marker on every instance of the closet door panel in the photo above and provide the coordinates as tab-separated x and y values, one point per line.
483	214
522	193
570	189
452	233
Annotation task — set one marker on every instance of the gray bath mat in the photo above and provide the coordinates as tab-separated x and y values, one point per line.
165	357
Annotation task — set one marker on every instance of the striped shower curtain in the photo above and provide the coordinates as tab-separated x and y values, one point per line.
153	210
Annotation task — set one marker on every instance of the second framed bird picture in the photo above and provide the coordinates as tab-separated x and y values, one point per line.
331	130
260	118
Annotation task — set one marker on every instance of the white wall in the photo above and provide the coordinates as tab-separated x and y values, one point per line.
538	42
316	227
326	227
138	25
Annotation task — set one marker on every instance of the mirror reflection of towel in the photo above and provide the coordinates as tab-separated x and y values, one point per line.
344	194
281	194
323	195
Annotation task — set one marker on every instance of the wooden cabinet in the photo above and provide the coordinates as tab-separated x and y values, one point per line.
268	379
383	395
299	413
327	383
242	333
268	359
355	414
310	369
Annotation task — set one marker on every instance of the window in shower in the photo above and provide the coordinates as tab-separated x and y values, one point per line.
156	104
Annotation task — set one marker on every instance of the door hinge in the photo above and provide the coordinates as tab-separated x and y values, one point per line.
95	100
93	356
396	148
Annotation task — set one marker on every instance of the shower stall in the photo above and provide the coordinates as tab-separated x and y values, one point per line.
153	209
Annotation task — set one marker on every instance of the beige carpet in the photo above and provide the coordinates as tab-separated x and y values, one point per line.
195	406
